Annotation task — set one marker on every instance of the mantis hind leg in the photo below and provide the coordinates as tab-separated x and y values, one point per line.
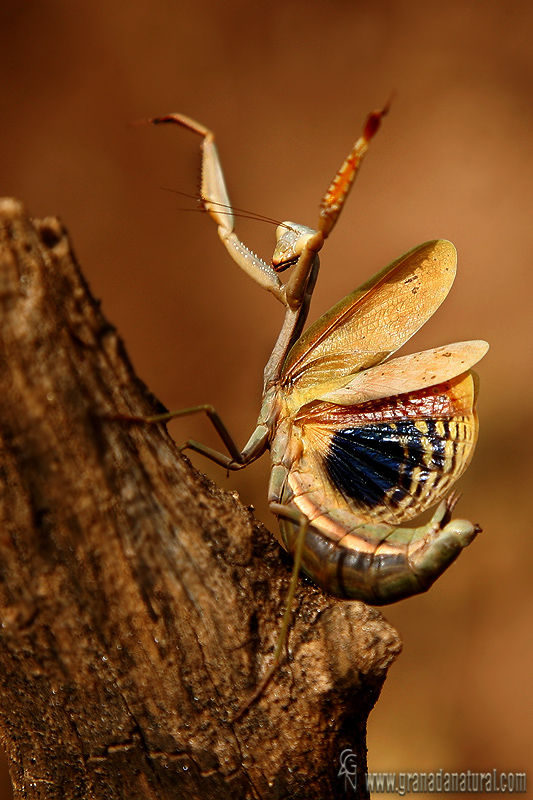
234	462
236	459
280	510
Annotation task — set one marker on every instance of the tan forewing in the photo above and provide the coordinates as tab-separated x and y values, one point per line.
408	373
373	321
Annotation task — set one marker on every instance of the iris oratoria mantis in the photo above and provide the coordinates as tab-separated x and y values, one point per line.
360	442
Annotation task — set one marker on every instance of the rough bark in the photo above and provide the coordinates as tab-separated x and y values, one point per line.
140	604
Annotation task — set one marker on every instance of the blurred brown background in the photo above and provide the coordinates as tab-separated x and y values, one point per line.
286	86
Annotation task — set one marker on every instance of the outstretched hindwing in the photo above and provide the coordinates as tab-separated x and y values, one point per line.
387	459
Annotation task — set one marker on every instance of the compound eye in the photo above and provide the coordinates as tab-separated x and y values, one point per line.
291	240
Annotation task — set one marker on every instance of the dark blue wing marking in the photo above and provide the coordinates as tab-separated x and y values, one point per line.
373	464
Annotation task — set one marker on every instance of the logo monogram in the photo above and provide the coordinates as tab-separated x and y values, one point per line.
348	762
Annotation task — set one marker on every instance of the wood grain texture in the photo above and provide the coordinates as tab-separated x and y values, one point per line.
140	604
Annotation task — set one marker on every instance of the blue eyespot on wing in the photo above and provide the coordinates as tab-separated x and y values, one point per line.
387	464
390	459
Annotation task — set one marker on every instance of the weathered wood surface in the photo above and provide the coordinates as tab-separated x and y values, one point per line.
139	604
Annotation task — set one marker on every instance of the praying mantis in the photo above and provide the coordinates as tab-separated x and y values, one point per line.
359	442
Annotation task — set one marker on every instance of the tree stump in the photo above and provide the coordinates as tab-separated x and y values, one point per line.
140	605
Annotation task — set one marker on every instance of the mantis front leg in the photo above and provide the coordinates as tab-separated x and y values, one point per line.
216	202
